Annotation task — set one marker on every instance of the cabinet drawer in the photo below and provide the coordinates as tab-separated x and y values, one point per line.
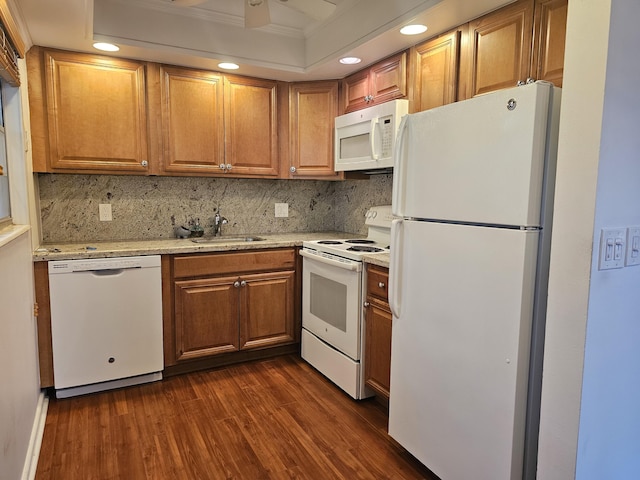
378	282
234	263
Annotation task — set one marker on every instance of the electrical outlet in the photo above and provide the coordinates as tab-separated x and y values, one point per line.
105	212
282	209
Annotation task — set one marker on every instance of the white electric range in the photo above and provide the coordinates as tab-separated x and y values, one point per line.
332	301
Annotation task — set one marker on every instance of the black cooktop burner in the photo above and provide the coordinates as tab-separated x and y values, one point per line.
361	241
330	242
359	248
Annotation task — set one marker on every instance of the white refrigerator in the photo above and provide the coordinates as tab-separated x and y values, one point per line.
473	194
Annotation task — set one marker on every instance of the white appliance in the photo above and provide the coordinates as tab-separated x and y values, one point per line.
332	308
364	140
473	187
106	323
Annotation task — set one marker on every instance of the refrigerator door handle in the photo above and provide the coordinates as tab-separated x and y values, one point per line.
395	285
397	200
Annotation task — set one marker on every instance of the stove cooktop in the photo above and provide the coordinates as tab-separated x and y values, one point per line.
348	248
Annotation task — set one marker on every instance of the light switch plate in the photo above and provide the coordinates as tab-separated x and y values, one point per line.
105	212
612	248
633	247
282	209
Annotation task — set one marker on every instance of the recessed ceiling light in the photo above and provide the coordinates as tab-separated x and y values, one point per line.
350	60
413	29
228	66
106	47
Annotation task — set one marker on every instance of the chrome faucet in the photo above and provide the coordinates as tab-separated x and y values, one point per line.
218	221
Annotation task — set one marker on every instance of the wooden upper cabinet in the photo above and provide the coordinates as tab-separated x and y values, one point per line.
313	107
96	118
500	48
251	131
384	81
192	121
434	71
549	32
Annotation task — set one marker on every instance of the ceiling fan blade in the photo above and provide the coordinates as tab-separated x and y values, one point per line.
256	13
316	9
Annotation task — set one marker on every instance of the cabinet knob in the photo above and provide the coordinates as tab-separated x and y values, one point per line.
222	166
292	169
228	167
366	304
236	284
381	284
144	163
243	283
530	80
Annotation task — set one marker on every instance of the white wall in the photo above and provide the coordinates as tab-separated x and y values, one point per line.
590	417
19	377
19	373
609	434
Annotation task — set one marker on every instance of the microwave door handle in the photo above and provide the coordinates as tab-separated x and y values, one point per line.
372	137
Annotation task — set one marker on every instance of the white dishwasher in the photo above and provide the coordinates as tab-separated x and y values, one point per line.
106	323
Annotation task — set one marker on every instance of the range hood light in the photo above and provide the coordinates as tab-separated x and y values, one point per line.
106	47
413	29
350	60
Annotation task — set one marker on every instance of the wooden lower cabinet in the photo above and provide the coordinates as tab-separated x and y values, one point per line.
378	320
228	303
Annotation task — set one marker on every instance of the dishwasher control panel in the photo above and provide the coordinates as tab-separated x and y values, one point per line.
120	263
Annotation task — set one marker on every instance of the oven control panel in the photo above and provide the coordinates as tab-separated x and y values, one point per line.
379	216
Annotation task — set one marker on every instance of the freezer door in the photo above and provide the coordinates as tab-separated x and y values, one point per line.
460	347
479	160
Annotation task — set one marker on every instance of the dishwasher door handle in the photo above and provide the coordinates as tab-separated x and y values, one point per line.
105	272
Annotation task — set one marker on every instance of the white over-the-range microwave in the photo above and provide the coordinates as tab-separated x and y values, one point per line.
364	140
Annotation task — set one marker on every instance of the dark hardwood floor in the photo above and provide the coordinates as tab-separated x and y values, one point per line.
269	419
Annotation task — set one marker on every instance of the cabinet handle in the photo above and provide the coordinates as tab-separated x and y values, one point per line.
243	283
292	169
228	167
381	284
366	304
222	166
144	163
236	284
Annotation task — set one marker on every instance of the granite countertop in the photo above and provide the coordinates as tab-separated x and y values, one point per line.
379	259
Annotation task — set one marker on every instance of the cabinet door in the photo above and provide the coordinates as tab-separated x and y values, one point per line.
388	79
251	133
206	317
377	367
500	48
549	32
192	121
313	107
267	317
356	91
435	71
96	113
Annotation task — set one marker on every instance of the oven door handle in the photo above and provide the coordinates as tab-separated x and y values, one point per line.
344	264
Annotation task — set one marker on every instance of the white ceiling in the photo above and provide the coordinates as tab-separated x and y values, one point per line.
293	48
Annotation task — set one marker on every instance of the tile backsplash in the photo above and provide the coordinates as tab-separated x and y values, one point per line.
150	207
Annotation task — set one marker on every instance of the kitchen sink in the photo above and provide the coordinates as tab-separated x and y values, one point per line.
243	238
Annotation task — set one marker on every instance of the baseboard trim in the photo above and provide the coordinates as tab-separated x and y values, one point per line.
35	442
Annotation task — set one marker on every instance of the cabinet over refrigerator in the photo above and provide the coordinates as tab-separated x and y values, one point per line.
473	195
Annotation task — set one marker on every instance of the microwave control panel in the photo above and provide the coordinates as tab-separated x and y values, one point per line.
386	125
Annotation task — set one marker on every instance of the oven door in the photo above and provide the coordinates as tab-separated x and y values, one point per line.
331	300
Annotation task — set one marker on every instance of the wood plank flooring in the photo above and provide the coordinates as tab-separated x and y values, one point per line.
269	419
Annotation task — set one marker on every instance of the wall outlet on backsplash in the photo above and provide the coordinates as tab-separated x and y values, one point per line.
104	210
282	210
